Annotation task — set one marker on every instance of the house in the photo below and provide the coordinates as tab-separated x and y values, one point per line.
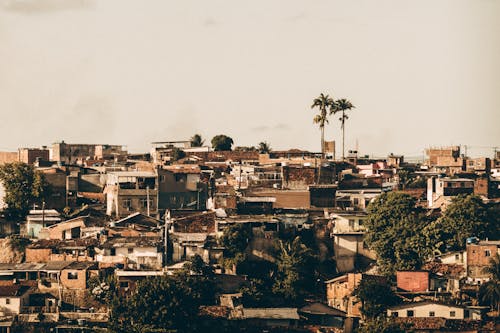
61	250
38	219
131	191
13	298
131	252
339	292
441	190
323	315
429	309
478	258
180	186
69	229
127	279
445	159
348	232
31	155
73	153
186	245
270	317
76	274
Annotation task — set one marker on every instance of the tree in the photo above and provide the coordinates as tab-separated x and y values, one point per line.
221	142
375	297
323	103
24	186
235	239
295	270
161	303
395	232
489	292
264	147
466	216
177	154
343	105
197	141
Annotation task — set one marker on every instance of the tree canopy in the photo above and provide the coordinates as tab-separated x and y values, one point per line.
395	232
197	141
264	147
24	186
375	297
161	303
222	142
466	216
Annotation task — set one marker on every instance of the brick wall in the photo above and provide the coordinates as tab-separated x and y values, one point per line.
79	283
38	255
413	281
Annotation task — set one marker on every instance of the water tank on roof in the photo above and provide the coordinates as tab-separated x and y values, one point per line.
472	240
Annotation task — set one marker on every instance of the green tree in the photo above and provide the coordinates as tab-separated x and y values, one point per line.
264	147
295	270
395	232
222	142
177	154
24	186
162	303
197	141
343	105
375	297
323	103
235	239
466	216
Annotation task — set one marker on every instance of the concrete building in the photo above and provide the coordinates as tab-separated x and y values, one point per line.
441	190
71	153
131	191
478	258
446	159
431	309
31	155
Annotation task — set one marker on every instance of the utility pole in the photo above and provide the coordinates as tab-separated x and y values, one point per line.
147	198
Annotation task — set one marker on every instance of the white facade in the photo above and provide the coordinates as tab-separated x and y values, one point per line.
430	309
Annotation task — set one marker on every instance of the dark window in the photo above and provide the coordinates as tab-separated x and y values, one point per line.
123	284
487	253
452	313
72	275
432	314
410	313
395	314
130	250
126	203
7	301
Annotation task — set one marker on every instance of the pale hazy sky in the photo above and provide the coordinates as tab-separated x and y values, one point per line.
131	72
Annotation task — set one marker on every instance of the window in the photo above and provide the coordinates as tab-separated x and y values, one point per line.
123	284
162	178
410	313
7	301
487	253
351	223
457	256
466	313
395	314
144	203
72	275
432	314
126	203
452	314
130	250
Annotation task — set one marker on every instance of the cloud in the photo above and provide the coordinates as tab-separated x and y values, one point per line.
44	6
265	128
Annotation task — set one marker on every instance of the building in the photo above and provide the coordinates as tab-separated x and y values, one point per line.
180	187
131	191
478	257
441	190
71	153
39	219
13	298
446	159
430	309
31	155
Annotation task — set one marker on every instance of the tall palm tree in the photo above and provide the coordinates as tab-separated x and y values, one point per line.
342	105
264	147
323	103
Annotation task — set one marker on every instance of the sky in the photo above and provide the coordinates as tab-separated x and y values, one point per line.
420	73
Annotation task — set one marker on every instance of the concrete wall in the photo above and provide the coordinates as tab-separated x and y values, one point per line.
424	311
79	283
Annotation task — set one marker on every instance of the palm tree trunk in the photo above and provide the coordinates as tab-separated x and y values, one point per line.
322	142
343	137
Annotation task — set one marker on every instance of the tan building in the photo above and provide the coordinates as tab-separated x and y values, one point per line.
76	275
13	298
131	191
478	257
429	309
441	190
31	155
445	159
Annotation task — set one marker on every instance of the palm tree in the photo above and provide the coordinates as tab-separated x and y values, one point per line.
264	147
323	102
342	105
490	291
197	141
